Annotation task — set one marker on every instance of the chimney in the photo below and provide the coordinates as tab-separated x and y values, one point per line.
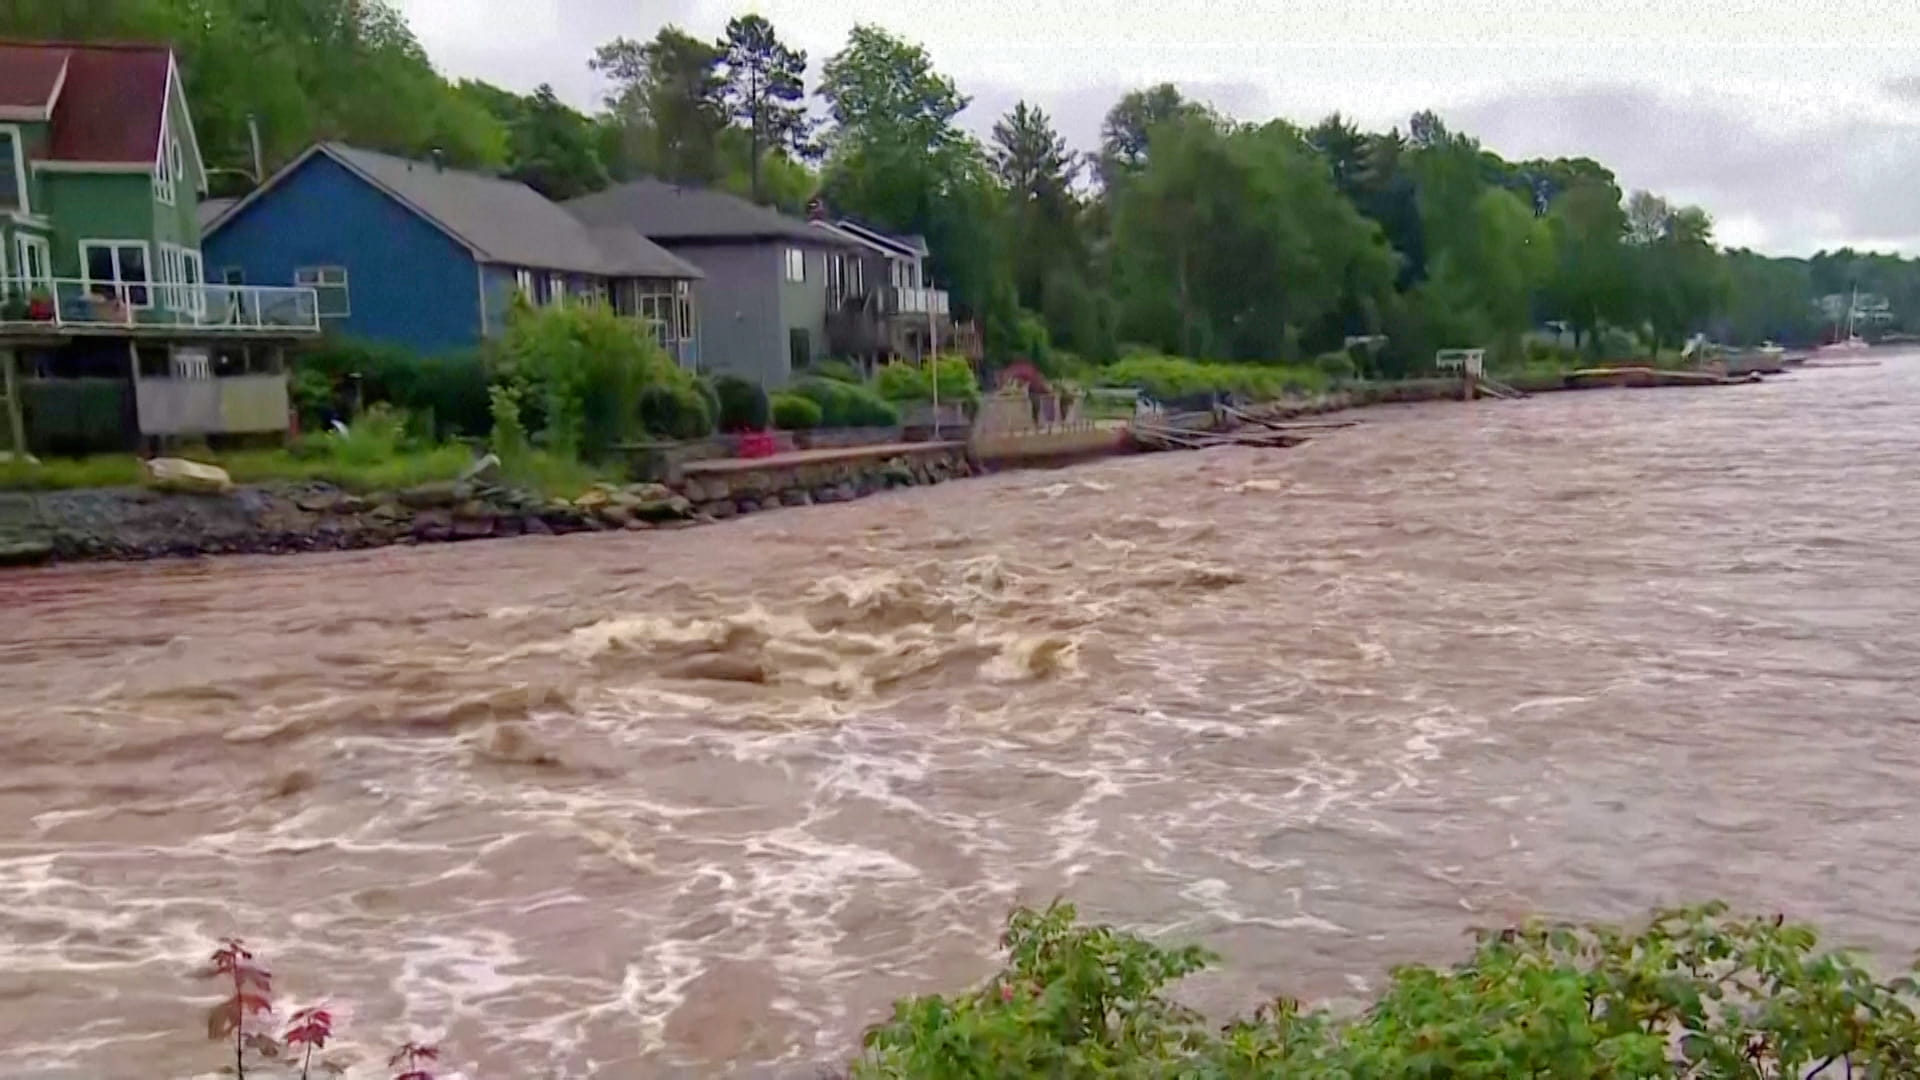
439	160
816	209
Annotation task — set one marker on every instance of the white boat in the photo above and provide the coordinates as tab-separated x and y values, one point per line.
1852	343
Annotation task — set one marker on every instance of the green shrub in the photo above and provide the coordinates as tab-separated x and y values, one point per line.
743	404
448	393
374	436
582	369
1696	995
677	411
792	412
837	370
912	383
1336	366
1169	378
845	405
509	439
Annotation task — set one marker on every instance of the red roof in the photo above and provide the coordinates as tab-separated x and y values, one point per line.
28	74
110	106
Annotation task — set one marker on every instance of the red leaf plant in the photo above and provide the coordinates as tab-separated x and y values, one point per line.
408	1060
252	986
309	1029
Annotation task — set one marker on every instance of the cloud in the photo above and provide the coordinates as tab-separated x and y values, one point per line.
1848	181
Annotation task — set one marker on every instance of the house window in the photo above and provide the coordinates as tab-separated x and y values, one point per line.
684	292
233	275
796	264
523	281
33	262
557	290
13	171
165	171
329	284
799	349
117	268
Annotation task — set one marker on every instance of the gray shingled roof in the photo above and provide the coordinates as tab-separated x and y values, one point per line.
503	221
668	212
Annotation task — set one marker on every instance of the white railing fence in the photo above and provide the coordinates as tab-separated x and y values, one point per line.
68	303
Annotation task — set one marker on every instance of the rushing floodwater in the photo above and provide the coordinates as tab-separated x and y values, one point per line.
685	804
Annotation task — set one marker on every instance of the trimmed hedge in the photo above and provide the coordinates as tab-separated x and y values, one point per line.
677	411
845	405
791	412
743	405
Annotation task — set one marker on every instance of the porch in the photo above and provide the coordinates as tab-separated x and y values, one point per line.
53	309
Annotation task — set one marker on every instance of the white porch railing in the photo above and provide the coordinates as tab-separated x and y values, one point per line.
900	301
70	304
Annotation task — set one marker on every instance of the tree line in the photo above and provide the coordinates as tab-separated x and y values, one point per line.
1186	231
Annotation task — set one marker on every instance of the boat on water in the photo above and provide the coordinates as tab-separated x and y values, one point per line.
1853	342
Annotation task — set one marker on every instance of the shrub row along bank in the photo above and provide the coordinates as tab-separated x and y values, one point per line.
1697	994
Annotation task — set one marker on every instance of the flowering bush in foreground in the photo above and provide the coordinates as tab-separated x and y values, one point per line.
1696	994
243	1013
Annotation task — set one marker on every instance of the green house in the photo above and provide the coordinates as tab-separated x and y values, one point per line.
109	330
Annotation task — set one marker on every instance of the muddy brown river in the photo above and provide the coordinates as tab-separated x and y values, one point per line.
703	803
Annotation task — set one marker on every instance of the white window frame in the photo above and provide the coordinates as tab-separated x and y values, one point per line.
164	178
23	243
523	280
119	283
318	278
19	165
556	290
796	268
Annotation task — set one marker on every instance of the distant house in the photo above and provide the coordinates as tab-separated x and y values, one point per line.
879	305
103	292
429	257
766	285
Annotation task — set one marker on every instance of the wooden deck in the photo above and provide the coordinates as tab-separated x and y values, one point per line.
795	458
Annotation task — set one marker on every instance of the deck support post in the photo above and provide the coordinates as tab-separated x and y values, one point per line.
10	390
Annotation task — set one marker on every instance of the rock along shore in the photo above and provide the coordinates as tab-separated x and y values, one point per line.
137	523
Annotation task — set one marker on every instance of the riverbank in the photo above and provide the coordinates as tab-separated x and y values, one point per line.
133	523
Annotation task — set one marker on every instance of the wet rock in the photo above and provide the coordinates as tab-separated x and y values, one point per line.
486	470
432	525
672	506
436	495
319	502
25	552
747	506
796	497
642	494
615	514
533	526
472	528
636	525
719	509
594	499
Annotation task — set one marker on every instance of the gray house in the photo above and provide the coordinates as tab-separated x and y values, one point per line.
880	306
763	299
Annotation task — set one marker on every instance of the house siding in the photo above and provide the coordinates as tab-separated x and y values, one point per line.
737	309
96	206
803	306
409	283
180	223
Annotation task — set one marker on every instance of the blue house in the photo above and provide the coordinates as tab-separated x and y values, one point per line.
416	254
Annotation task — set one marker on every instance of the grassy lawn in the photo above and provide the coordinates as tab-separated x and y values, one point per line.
247	467
347	467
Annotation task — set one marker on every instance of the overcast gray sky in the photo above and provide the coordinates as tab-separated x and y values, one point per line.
1797	124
